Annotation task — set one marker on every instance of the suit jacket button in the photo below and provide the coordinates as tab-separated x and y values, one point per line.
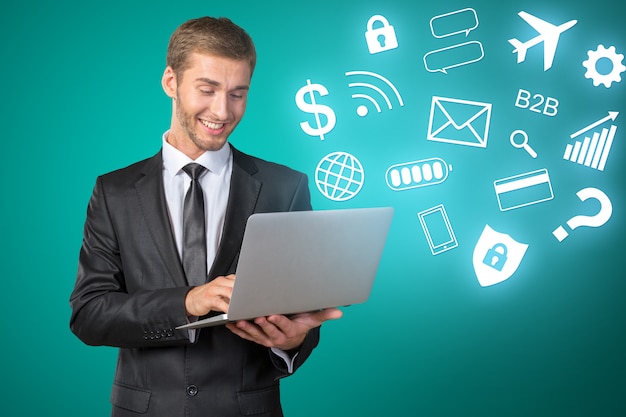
192	390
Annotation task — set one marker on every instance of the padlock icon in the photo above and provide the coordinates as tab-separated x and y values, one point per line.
382	38
496	256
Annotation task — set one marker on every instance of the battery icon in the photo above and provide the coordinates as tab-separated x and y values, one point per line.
417	174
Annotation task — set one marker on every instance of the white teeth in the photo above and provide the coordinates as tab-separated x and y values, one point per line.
211	125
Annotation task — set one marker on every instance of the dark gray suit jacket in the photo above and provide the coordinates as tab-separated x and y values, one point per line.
130	292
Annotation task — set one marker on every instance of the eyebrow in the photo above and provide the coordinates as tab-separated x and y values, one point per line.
217	83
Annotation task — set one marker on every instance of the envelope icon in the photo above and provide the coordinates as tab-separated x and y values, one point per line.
461	122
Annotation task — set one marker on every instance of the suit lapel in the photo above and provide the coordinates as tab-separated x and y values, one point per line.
154	208
244	192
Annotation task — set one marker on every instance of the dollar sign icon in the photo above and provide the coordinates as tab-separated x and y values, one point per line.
317	109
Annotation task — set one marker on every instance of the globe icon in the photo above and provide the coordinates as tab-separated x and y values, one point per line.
339	176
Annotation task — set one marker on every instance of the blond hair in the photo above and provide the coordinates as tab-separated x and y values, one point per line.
212	36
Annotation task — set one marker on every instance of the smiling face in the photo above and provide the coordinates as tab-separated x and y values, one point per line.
209	99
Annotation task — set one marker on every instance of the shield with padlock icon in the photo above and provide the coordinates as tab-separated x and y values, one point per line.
496	256
382	38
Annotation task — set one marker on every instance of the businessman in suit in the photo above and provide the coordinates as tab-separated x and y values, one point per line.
133	285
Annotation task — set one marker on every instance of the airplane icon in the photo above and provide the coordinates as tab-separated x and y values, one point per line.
548	34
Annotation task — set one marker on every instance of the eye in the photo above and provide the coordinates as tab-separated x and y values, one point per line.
206	91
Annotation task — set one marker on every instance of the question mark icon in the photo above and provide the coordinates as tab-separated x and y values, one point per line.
597	220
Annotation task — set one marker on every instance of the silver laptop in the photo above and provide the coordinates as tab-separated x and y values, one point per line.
295	262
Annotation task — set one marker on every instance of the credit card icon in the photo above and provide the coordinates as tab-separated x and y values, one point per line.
523	190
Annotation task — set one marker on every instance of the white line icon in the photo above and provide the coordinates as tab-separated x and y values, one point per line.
523	144
602	53
437	229
597	220
461	122
453	19
339	176
322	125
417	174
434	60
548	34
523	190
592	151
382	38
461	21
497	256
363	110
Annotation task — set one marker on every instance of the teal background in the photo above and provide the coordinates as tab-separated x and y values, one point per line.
82	96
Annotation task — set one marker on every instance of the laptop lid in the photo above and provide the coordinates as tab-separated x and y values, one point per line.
293	262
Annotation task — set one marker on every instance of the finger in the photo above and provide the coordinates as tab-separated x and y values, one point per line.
221	287
239	332
250	331
279	323
214	295
221	304
314	319
330	314
230	279
227	281
274	327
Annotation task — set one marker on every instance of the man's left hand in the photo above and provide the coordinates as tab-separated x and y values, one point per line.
282	332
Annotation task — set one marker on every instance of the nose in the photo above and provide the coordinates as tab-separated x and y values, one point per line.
219	106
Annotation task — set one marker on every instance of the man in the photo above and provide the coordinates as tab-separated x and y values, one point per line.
134	286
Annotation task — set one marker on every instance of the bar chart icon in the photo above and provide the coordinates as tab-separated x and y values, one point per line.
593	150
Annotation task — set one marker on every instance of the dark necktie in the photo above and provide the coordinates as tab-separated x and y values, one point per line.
194	232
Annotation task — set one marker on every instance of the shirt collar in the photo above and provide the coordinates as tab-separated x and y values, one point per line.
174	160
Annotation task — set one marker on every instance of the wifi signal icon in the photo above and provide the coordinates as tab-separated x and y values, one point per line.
363	110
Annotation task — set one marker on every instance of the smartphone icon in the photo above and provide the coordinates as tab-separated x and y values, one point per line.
437	229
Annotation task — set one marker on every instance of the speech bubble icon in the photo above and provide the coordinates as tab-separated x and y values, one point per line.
453	23
597	220
441	60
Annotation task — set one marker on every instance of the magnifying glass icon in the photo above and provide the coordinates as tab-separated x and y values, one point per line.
524	144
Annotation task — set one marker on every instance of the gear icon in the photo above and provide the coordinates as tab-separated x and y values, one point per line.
616	60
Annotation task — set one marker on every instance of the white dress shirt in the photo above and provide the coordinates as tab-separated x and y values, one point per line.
215	183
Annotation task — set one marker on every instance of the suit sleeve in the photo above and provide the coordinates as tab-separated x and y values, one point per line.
103	310
302	197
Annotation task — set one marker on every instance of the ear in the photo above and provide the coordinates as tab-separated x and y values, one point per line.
169	82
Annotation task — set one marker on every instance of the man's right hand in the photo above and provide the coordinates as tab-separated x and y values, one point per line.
212	296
